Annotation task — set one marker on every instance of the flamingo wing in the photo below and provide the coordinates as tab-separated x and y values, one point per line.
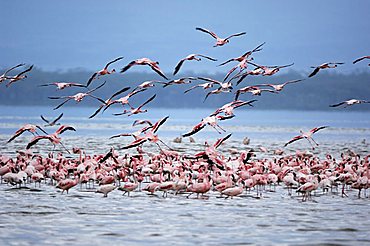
158	124
360	59
316	129
60	105
12	68
128	66
16	134
64	128
338	104
35	140
207	31
158	71
147	101
91	79
56	120
135	143
117	59
235	35
25	71
178	66
221	140
195	129
315	71
296	138
207	57
43	118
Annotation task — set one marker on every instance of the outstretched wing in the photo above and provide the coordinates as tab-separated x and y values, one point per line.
60	105
235	35
207	31
91	79
178	66
158	124
336	105
221	140
16	134
148	101
121	135
296	138
25	71
207	57
64	128
195	129
12	68
128	66
230	60
135	143
58	118
97	111
158	71
315	71
316	129
42	117
191	88
360	59
117	59
35	140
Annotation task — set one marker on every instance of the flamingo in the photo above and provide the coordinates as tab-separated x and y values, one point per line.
123	100
307	135
29	128
3	77
104	71
189	58
280	87
53	122
137	110
128	187
209	120
67	184
254	72
270	70
19	76
360	59
63	85
78	97
244	56
53	138
205	86
219	41
323	66
229	107
145	61
109	101
254	89
185	80
224	87
349	103
105	189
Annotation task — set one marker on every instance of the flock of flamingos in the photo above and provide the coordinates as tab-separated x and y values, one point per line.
173	172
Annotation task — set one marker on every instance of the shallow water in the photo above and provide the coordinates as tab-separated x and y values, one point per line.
44	216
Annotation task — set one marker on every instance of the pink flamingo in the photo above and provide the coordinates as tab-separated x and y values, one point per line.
29	128
219	41
189	58
145	61
307	135
349	103
78	97
3	77
324	66
18	77
63	85
137	110
104	71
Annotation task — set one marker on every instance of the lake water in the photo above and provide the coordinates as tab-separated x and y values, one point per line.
44	216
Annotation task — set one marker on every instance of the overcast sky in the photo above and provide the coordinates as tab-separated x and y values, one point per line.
60	35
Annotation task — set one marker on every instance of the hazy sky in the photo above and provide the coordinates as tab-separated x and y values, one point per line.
56	35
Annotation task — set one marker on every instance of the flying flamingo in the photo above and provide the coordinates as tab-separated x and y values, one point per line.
323	66
189	58
229	107
145	61
205	86
137	110
279	87
104	71
78	97
306	135
63	85
224	87
185	80
108	101
242	61
270	70
52	123
29	128
3	77
361	58
149	136
19	76
123	100
53	138
254	89
349	103
254	72
219	41
209	120
147	84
